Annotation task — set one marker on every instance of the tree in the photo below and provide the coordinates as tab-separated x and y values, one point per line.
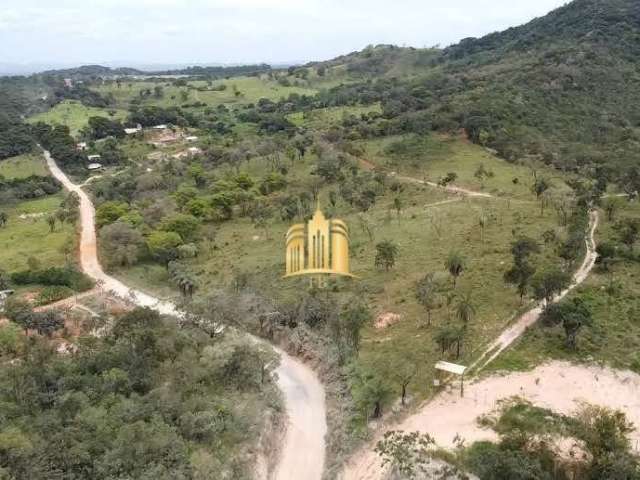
549	283
572	315
20	312
605	433
540	188
163	246
521	272
4	218
184	225
352	319
398	206
386	254
449	336
465	309
408	454
404	373
121	244
183	280
629	232
427	294
455	264
611	206
606	253
369	390
109	212
51	221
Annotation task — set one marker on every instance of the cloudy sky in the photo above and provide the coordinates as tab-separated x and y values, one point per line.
240	31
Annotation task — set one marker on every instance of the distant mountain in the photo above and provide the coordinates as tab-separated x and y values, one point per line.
210	70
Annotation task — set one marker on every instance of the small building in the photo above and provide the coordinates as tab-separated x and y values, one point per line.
93	158
81	147
194	150
94	166
160	127
191	138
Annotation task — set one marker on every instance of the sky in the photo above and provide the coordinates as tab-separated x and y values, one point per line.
66	32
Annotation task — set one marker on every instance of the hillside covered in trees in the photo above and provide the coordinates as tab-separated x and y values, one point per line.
564	87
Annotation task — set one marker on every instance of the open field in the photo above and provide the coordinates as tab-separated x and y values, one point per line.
432	157
321	118
249	90
23	166
27	237
75	115
613	297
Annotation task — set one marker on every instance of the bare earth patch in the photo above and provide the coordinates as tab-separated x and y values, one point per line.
386	319
558	386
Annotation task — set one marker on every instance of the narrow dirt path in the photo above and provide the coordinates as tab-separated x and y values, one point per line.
302	455
447	415
525	321
368	165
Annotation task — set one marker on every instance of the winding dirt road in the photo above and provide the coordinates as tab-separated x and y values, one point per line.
302	454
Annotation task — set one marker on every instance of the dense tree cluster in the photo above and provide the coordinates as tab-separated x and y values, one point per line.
148	400
33	186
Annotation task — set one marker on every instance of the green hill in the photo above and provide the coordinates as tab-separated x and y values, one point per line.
563	88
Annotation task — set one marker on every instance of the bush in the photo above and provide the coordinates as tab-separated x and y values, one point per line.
53	293
66	277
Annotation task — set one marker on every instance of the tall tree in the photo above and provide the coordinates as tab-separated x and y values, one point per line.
455	264
427	294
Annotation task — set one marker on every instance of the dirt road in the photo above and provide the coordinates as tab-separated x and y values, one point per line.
447	415
525	321
368	165
558	386
302	455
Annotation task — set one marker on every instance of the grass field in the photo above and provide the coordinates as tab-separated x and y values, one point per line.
431	157
614	299
23	166
75	115
425	235
250	89
326	117
23	238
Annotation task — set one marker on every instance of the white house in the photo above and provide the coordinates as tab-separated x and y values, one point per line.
93	158
191	138
94	166
160	127
81	147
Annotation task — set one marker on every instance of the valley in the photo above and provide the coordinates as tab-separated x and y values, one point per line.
490	192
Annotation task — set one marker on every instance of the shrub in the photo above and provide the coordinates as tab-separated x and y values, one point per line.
66	277
53	293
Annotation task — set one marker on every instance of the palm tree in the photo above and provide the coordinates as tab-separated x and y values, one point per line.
51	220
455	264
387	251
465	310
4	218
426	293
